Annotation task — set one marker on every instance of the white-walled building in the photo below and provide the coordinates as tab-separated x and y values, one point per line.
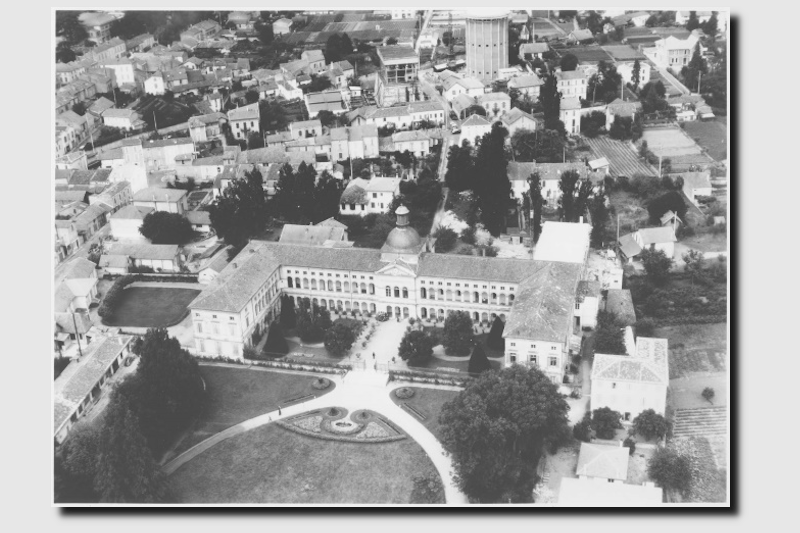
475	126
630	384
362	197
572	83
570	114
245	120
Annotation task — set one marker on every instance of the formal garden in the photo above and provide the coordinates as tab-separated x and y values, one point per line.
295	463
236	394
144	307
424	404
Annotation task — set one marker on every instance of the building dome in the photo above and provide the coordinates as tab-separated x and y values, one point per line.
403	238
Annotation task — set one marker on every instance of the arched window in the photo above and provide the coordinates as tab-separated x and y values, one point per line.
502	299
503	317
484	298
405	292
484	317
389	310
314	301
458	295
290	281
324	303
397	311
475	297
338	305
346	286
432	294
405	312
449	295
297	283
494	297
305	283
396	292
313	284
372	289
338	286
441	312
347	304
388	291
510	298
330	285
475	316
363	288
423	312
441	294
424	293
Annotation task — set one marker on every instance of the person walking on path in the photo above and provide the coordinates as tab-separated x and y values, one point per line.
279	410
373	355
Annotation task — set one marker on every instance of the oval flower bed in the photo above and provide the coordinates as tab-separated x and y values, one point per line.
333	424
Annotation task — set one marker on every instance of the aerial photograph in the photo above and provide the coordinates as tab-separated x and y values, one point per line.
323	258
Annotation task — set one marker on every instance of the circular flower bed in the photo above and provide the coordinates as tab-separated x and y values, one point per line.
362	417
320	384
404	393
335	413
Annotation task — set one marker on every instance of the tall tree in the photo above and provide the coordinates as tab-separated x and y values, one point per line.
495	338
126	471
339	339
606	84
551	104
568	62
568	185
76	465
691	72
69	27
495	431
460	174
162	227
276	344
416	347
650	424
492	186
670	470
692	23
609	337
288	316
656	265
711	27
536	202
458	336
478	362
167	388
241	211
600	216
636	74
327	193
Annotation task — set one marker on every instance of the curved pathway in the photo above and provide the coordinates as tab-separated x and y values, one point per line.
357	390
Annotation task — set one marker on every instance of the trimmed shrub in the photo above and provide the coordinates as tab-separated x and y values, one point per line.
583	429
113	295
276	344
320	384
630	444
404	393
605	422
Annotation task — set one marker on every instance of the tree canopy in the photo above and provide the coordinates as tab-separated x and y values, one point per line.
460	174
416	348
650	424
495	338
240	212
162	227
492	186
312	322
496	428
609	337
670	470
542	146
568	62
606	84
458	336
575	195
551	104
606	422
657	265
339	339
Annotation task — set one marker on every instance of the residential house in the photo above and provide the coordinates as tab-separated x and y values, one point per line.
169	200
98	106
527	84
362	197
204	128
672	52
316	60
290	92
461	104
75	160
580	36
112	49
397	117
474	127
695	184
155	84
98	25
661	238
214	266
453	87
549	174
124	70
305	128
159	257
690	107
216	101
200	220
576	492
621	108
244	120
126	222
630	384
506	73
331	100
244	20
531	51
140	43
111	158
572	83
124	119
201	31
682	17
430	111
354	142
114	195
495	104
67	238
515	119
282	26
417	142
155	155
570	114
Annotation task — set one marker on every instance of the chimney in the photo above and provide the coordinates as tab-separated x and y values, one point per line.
580	220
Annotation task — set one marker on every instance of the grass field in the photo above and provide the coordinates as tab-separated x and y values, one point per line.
695	348
711	135
708	482
151	307
623	160
238	394
273	465
429	403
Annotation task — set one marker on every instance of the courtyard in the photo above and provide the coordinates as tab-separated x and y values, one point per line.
152	307
271	464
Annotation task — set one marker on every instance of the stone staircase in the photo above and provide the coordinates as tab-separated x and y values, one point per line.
701	422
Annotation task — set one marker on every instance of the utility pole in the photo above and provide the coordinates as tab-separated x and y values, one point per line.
699	79
617	228
89	127
155	123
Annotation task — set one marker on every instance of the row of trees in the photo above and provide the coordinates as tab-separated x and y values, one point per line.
301	198
483	170
112	461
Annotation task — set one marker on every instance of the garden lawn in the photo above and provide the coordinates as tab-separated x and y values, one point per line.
707	242
151	307
711	135
452	366
238	394
270	464
427	402
695	348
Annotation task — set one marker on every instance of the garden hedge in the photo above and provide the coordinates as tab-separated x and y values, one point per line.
113	295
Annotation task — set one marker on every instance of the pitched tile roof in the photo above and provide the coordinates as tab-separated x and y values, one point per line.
354	194
155	194
198	217
619	302
514	114
628	246
650	364
602	460
657	235
311	235
544	307
248	112
397	52
475	120
475	268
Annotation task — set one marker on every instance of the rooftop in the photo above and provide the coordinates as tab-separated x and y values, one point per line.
563	241
527	80
657	235
397	53
144	251
312	235
153	194
648	365
619	302
584	492
604	461
248	112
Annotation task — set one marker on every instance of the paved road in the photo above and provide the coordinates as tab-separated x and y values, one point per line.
359	389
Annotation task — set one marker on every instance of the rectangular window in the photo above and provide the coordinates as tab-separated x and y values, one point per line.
199	327
553	361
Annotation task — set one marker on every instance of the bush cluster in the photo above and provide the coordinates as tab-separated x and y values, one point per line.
320	384
404	393
113	295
